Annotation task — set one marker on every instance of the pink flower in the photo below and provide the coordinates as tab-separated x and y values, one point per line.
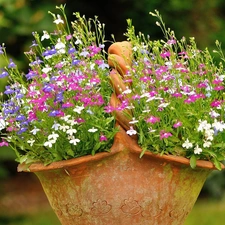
218	88
177	95
3	143
177	124
165	54
216	103
164	134
102	138
153	119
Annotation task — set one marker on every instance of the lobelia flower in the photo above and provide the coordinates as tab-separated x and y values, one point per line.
176	94
57	107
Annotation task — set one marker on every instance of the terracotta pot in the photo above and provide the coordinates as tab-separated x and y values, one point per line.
121	188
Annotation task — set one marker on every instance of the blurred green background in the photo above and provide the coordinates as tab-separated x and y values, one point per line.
203	19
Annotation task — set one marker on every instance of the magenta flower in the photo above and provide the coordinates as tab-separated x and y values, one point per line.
177	95
165	54
216	103
153	119
217	81
177	124
164	134
102	138
3	143
218	88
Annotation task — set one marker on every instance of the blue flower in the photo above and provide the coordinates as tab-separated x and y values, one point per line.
20	117
30	75
54	113
47	88
8	90
11	64
4	73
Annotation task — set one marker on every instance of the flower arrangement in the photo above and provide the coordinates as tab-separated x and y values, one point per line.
176	95
56	111
173	97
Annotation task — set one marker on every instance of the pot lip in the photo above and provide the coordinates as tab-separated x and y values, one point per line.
200	164
122	143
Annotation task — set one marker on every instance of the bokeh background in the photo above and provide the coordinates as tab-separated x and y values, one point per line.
22	201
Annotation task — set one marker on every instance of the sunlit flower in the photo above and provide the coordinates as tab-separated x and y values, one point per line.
197	150
58	20
131	131
92	130
187	144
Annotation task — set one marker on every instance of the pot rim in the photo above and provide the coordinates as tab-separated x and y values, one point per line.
122	143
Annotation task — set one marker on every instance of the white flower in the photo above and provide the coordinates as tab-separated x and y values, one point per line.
207	144
197	150
64	127
58	20
71	131
92	130
203	125
163	105
133	121
46	69
2	124
72	122
45	35
55	126
34	131
78	109
214	114
131	131
49	143
53	136
66	118
31	141
74	141
187	144
78	41
60	46
219	126
127	91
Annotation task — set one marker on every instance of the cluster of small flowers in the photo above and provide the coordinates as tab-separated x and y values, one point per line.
177	97
56	110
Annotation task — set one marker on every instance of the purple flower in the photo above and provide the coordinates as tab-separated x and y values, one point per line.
8	90
71	50
20	117
54	113
31	75
22	130
11	64
4	74
48	88
1	50
34	44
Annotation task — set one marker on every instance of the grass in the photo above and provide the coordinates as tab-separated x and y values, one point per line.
205	212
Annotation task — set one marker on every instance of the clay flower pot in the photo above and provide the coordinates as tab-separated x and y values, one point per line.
121	188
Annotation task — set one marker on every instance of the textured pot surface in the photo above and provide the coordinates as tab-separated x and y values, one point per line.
122	188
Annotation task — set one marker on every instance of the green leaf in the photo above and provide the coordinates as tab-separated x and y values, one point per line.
217	164
193	161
